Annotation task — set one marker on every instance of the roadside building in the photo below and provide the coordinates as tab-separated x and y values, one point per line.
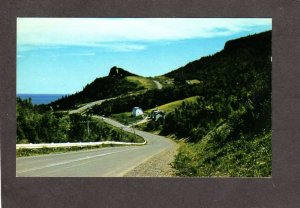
157	114
137	111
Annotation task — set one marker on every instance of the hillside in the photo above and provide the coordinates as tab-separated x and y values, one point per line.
142	82
228	130
233	59
115	84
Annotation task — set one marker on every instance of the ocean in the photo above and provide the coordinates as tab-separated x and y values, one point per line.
41	98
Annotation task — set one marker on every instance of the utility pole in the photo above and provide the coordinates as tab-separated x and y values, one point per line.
88	126
133	131
122	132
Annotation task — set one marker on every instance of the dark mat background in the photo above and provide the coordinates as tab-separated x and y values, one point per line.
282	190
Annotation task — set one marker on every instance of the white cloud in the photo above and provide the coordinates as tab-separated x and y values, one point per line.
122	47
73	54
118	34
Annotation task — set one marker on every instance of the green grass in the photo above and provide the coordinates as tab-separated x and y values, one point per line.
194	81
243	157
168	107
165	81
141	82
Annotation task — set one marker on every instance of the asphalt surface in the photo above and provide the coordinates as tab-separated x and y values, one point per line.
159	86
106	162
89	105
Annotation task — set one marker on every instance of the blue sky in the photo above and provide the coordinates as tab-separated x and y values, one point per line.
62	55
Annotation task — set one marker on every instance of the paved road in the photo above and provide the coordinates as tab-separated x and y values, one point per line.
89	105
107	162
86	106
159	86
98	102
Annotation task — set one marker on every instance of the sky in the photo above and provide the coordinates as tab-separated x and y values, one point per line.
62	55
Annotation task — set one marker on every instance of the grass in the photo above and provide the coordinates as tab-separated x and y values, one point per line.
142	82
194	81
165	81
243	157
168	107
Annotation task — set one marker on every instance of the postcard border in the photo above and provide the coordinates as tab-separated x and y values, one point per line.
281	190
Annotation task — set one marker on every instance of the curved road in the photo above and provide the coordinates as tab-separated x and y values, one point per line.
89	105
107	162
98	102
158	84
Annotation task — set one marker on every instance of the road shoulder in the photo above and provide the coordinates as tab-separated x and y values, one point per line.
157	166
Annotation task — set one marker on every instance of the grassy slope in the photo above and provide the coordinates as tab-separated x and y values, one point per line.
194	81
141	82
165	81
172	105
234	158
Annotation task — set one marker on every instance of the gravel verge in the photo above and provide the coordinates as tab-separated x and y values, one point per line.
157	166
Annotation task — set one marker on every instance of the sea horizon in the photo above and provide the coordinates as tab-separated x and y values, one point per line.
40	98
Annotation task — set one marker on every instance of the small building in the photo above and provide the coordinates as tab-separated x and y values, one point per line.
137	111
157	114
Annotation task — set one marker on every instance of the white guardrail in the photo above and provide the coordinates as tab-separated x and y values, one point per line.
78	144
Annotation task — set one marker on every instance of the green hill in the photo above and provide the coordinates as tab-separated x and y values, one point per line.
228	130
118	82
233	59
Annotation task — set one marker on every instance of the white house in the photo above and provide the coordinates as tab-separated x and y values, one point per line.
136	111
